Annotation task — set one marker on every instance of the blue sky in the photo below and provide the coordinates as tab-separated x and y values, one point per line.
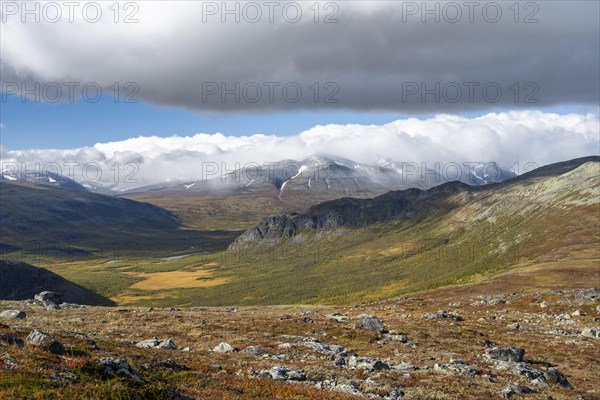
70	125
28	125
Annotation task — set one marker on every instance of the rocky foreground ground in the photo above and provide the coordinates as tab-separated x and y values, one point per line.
441	345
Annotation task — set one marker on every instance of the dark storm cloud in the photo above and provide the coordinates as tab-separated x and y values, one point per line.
378	56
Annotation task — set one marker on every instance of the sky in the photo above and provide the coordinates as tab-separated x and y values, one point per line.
96	76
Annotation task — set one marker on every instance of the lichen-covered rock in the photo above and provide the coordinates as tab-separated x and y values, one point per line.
117	367
155	343
370	322
514	354
457	367
223	348
283	374
444	314
522	369
49	299
366	363
553	375
345	388
17	314
254	350
41	339
513	389
593	333
322	347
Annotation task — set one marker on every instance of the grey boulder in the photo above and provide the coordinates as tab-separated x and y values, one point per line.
49	299
40	339
155	343
223	348
117	367
18	314
514	354
371	323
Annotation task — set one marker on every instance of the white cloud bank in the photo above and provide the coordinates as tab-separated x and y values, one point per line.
505	138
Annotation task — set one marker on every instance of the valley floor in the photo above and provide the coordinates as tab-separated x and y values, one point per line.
437	345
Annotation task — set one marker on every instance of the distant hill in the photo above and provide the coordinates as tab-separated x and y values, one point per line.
63	222
21	281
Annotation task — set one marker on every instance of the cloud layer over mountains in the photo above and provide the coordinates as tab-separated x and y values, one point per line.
370	56
506	138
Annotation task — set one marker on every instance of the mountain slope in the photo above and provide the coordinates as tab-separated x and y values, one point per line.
352	250
21	281
54	222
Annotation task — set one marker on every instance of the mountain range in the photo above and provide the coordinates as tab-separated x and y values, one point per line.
340	250
236	199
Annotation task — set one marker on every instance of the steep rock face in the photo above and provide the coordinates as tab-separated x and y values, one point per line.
356	213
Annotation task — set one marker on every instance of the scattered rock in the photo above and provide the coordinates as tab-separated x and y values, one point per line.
371	323
577	313
283	374
170	364
523	369
254	350
457	367
591	333
41	339
553	375
10	340
118	367
443	314
405	367
513	389
155	343
345	388
514	354
49	299
7	362
65	306
223	348
395	394
18	314
338	317
309	314
366	363
492	301
322	347
393	336
544	304
589	294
